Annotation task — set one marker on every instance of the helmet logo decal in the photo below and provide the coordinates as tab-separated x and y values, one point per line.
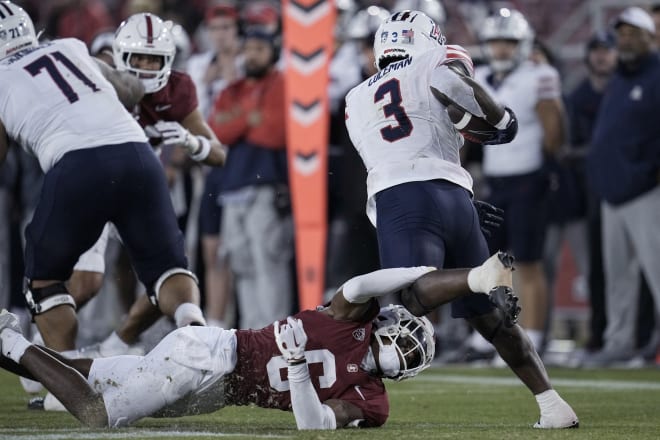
9	11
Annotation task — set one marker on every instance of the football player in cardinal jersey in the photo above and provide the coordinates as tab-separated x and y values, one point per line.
326	365
419	196
61	105
168	113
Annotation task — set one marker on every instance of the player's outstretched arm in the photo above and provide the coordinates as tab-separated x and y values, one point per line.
128	87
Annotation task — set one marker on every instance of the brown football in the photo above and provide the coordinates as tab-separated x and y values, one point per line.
473	128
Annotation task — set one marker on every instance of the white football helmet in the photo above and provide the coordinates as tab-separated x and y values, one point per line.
16	29
405	34
507	24
412	337
147	34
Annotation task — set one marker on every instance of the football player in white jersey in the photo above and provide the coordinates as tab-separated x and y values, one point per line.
514	172
144	47
419	196
58	103
352	342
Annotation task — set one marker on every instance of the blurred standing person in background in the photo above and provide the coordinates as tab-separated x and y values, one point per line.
515	171
352	243
211	72
257	228
624	170
582	108
81	19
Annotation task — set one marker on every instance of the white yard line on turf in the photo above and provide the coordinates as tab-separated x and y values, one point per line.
66	434
605	384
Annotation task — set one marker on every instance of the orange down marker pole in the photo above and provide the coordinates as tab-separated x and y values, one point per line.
308	43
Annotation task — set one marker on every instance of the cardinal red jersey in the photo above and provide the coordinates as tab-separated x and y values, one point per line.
173	102
334	352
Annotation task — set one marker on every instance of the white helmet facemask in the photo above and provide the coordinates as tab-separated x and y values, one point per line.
16	29
145	34
509	25
406	34
406	344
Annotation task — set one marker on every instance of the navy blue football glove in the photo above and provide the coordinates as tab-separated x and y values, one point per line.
508	133
490	216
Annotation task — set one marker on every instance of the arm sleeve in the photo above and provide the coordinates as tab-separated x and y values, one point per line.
449	83
381	282
308	410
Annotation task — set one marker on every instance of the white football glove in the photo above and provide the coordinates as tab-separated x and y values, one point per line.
291	340
174	134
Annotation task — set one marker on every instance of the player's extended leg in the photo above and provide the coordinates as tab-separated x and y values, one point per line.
142	315
64	381
148	225
441	287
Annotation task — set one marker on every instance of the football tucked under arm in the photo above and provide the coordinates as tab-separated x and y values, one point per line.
474	113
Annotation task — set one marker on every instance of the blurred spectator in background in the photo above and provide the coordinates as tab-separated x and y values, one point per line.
624	170
212	71
8	178
257	228
582	106
352	243
655	13
81	19
515	172
263	15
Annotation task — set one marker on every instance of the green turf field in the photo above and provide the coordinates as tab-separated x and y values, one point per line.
442	403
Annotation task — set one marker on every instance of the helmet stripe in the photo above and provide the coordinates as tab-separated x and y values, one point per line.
150	30
8	9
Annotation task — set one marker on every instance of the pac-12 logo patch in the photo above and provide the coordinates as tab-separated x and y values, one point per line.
359	334
352	368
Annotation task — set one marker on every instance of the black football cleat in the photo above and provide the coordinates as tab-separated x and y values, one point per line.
504	299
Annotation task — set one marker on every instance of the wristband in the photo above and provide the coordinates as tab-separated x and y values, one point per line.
465	120
203	151
504	121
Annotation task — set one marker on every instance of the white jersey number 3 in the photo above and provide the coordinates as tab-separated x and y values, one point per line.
393	133
277	363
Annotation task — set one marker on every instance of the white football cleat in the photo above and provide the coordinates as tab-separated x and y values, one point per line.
562	416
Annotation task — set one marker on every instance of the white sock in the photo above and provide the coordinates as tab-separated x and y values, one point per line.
188	313
491	274
547	400
113	343
13	345
536	336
